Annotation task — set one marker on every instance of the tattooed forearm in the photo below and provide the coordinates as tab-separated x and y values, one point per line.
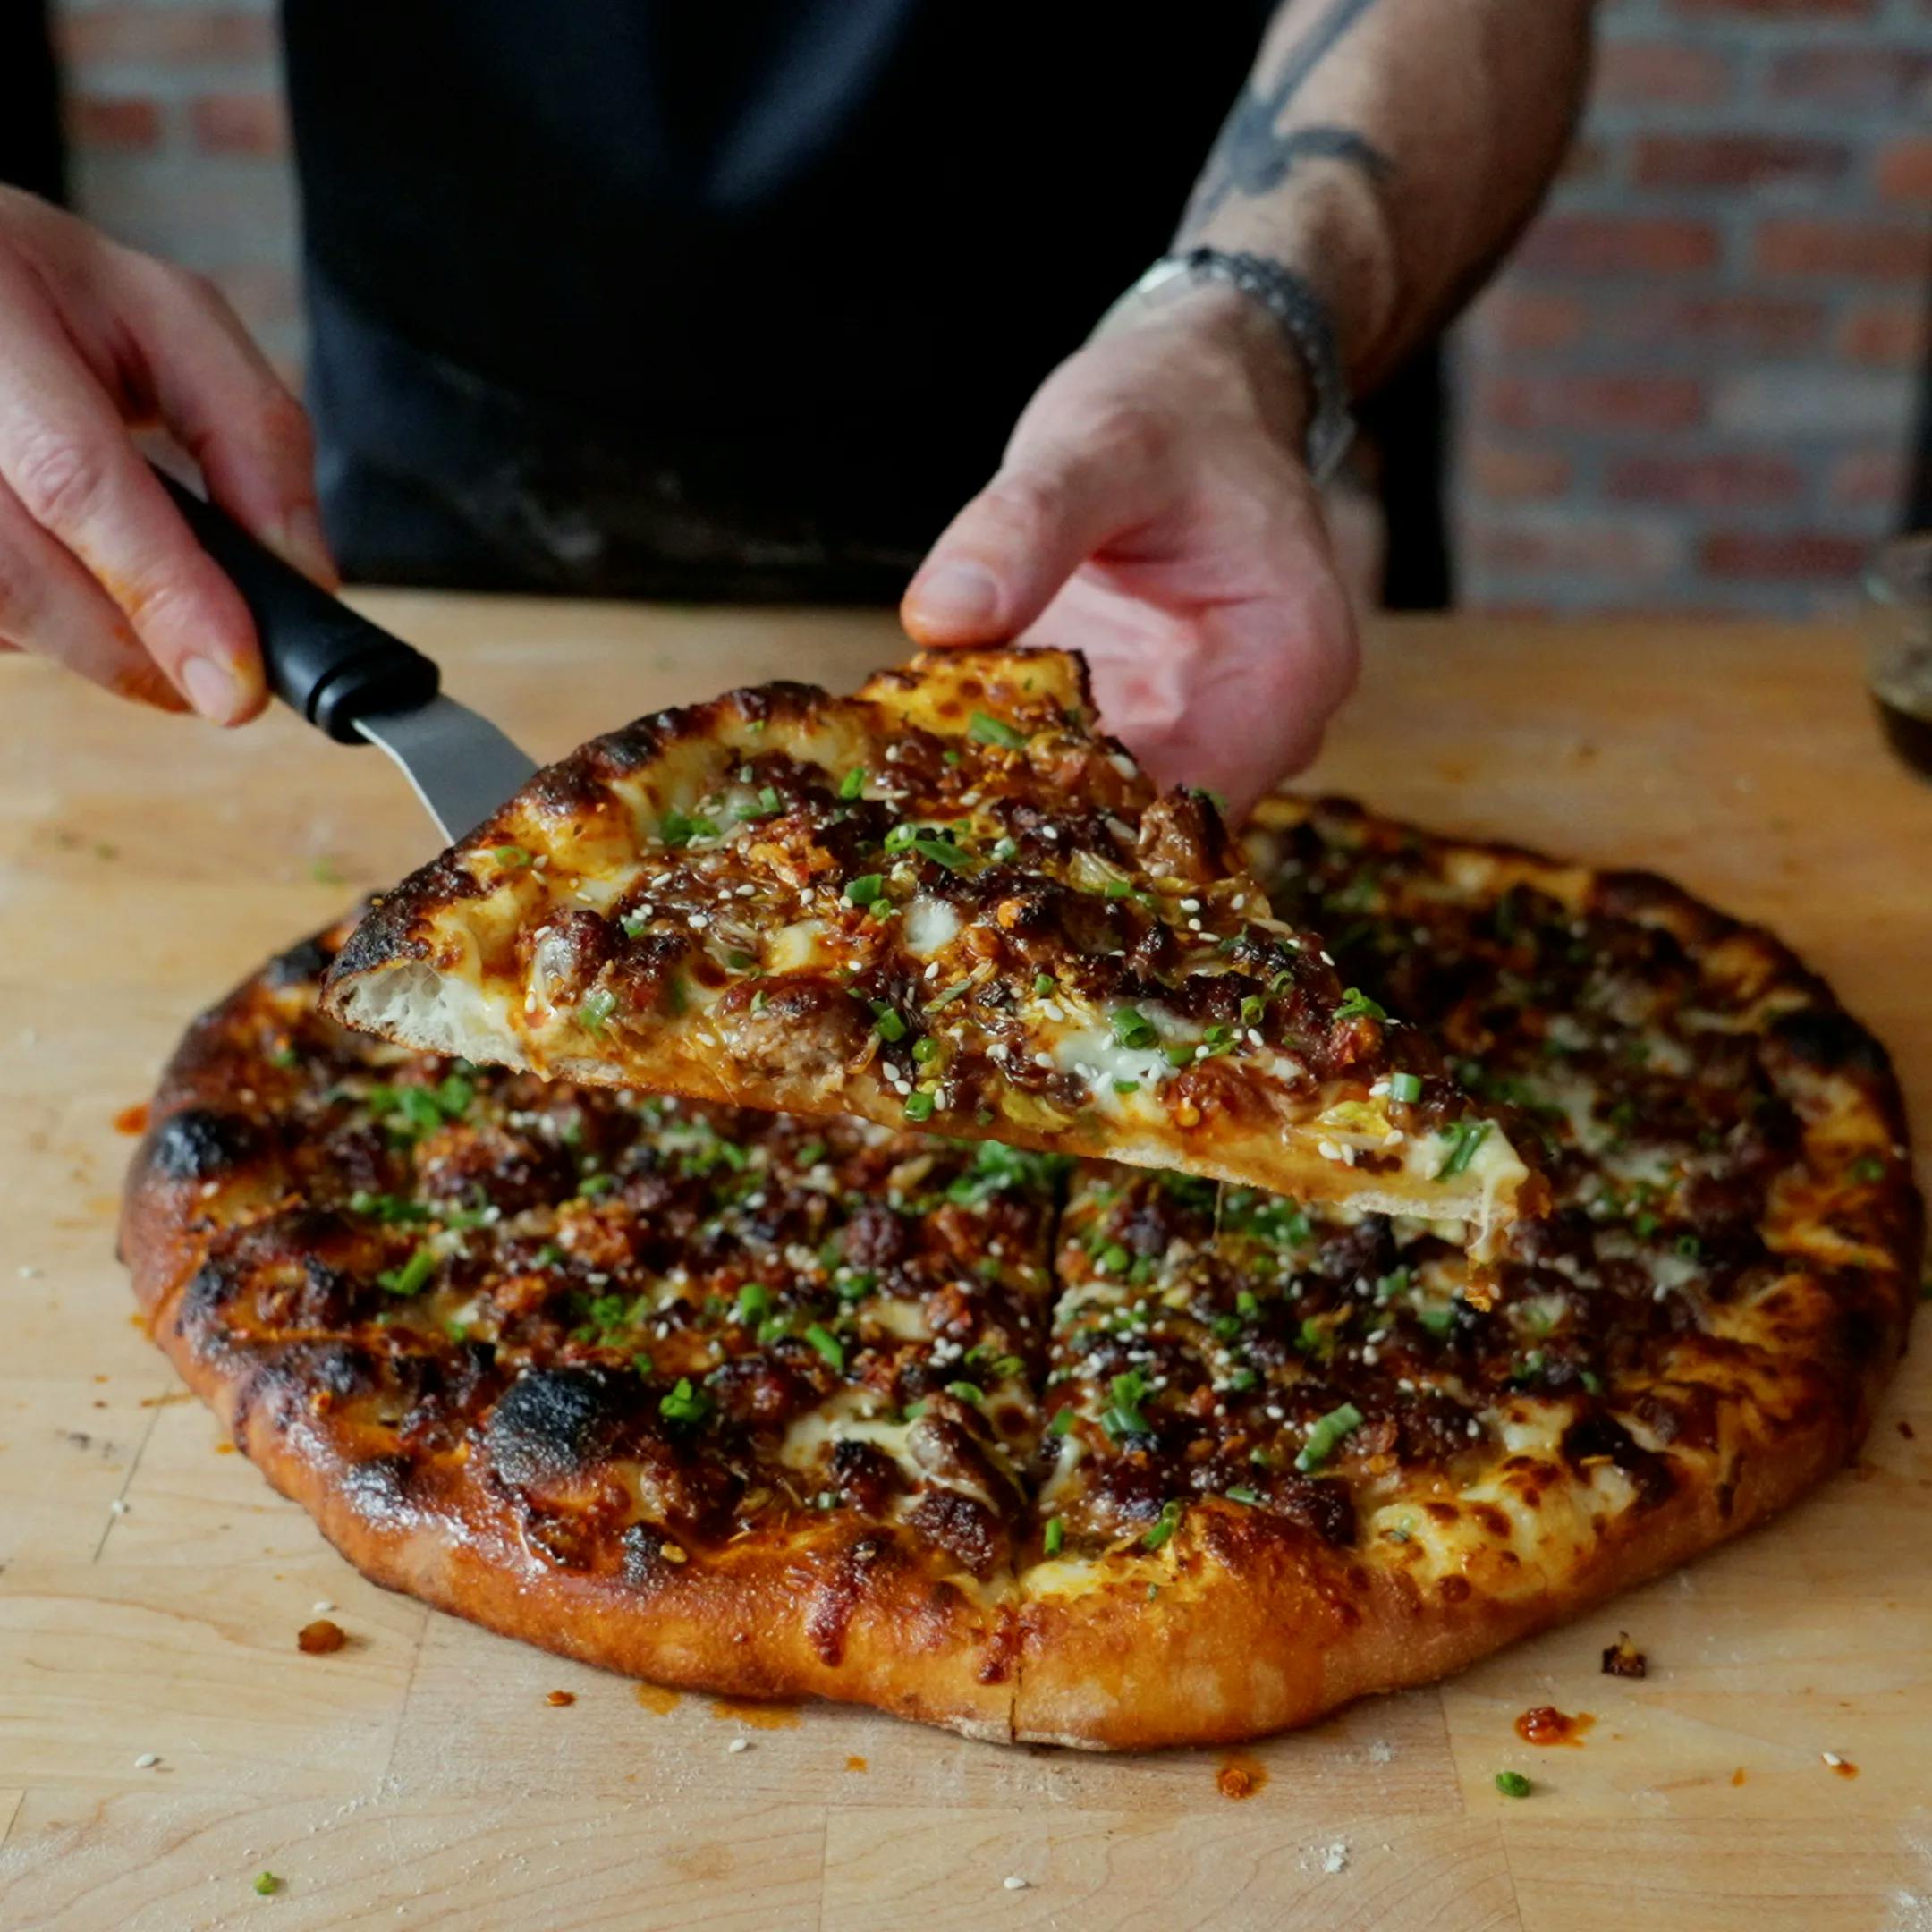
1386	152
1253	158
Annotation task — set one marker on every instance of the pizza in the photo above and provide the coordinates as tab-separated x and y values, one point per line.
948	902
1042	1449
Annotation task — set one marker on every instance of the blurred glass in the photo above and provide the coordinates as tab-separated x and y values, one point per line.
1898	620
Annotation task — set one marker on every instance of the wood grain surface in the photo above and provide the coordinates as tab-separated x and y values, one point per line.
152	1586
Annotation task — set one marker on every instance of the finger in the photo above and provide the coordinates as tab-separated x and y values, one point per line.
49	606
68	459
1001	560
227	406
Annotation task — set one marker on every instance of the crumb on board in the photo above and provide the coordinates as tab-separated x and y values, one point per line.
1624	1658
1381	1752
319	1637
561	1697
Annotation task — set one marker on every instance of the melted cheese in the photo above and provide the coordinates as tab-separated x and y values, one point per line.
928	927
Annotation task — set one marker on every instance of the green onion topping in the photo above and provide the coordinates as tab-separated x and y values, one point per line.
1326	1435
990	730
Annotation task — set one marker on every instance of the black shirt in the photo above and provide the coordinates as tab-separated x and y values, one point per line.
799	256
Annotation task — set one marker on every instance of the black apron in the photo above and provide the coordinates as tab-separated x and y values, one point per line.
715	298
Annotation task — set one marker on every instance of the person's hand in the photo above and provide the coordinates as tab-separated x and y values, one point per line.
1152	511
96	569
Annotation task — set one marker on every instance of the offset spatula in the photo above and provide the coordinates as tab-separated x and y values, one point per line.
354	682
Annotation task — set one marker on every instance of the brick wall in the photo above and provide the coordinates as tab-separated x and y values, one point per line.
177	143
1691	388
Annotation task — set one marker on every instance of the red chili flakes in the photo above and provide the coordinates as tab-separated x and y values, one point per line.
319	1637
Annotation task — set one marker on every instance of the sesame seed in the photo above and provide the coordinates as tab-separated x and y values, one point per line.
737	1745
1013	1882
147	1760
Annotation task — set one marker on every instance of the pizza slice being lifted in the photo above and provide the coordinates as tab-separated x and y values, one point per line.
948	901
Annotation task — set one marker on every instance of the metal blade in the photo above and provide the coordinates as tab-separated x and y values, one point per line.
462	766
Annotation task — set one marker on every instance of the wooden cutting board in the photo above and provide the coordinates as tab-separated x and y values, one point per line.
162	1741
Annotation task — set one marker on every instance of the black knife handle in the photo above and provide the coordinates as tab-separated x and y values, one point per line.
322	660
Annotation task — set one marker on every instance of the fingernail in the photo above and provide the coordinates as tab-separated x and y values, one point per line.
952	597
301	540
212	689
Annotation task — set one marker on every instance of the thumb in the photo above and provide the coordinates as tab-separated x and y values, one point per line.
1002	559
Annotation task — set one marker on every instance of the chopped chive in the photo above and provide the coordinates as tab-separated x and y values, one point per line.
510	857
1126	1086
684	1403
267	1884
1043	983
1465	1138
1405	1087
1063	1420
1514	1784
919	1106
827	1344
886	1023
1250	1497
641	1362
1871	1168
1356	1005
854	782
990	730
926	1050
1133	1029
966	1391
594	1009
866	888
1164	1528
413	1275
1056	1536
753	1304
1326	1434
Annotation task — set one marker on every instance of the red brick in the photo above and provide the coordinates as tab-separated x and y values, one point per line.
1905	170
1573	546
1634	403
1785	556
1881	77
240	123
1891	333
125	124
1868	479
1751	325
175	36
1518	319
1793	10
1736	160
1872	252
1661	71
1506	474
1619	244
1705	482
